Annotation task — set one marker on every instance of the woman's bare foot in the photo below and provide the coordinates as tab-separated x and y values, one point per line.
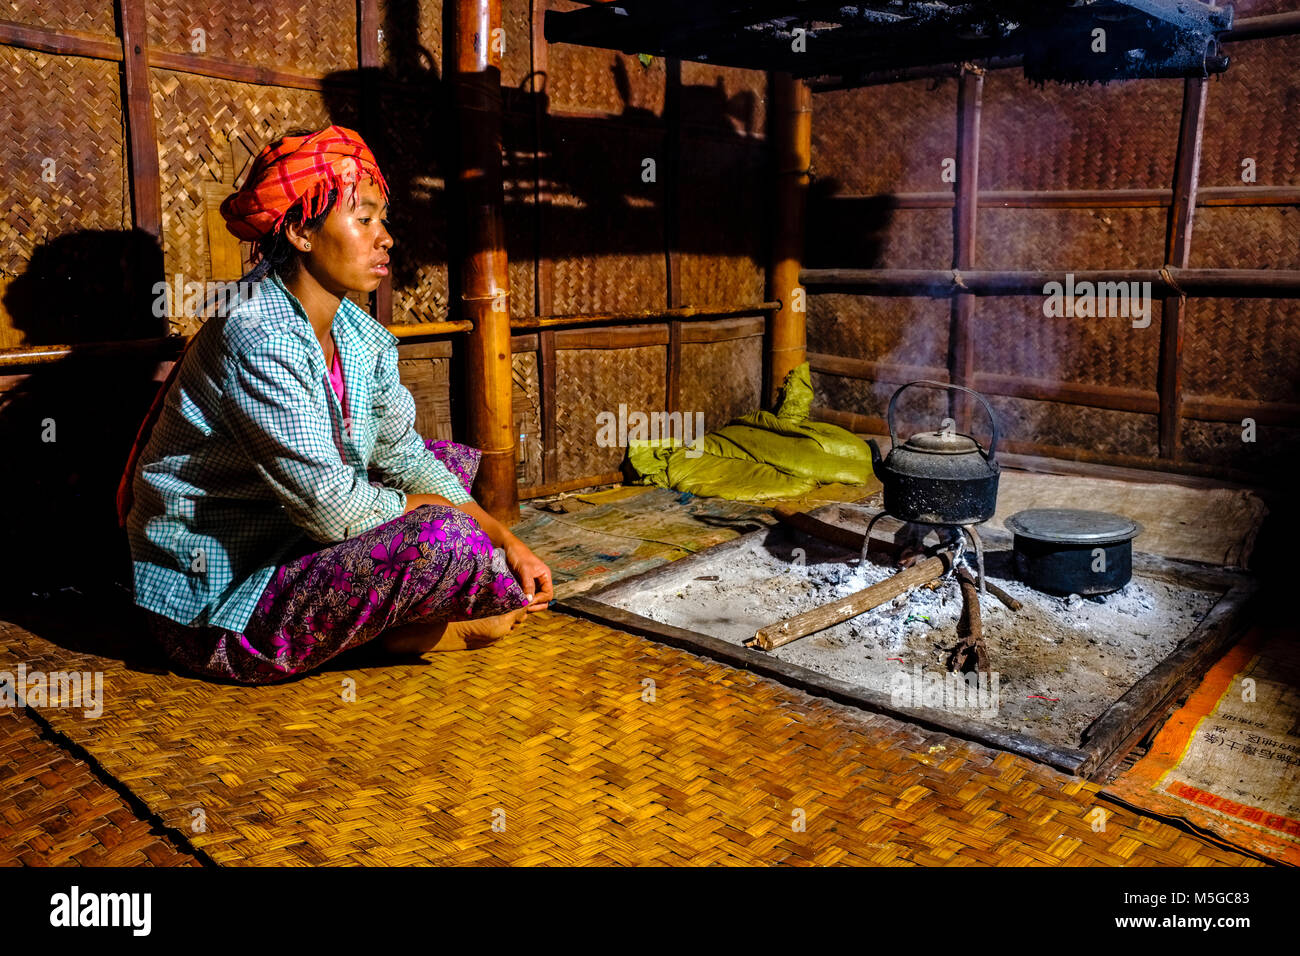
451	635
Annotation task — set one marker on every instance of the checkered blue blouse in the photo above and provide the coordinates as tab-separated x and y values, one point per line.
251	453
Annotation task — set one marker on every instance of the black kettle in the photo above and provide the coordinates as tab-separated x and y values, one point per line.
939	477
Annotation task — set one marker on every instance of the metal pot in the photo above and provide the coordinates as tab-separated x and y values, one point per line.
1070	551
939	477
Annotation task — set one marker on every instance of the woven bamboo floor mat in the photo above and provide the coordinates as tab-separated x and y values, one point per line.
56	811
565	743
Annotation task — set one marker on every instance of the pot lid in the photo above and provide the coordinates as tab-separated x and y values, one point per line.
942	443
1072	525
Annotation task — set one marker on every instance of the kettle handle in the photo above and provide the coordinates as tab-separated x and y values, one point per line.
889	415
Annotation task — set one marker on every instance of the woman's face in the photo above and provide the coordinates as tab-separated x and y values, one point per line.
349	252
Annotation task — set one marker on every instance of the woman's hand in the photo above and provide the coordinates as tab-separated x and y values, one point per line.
534	576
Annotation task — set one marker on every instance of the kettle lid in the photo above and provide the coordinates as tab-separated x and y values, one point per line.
942	443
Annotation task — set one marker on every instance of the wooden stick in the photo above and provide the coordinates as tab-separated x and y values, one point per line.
818	619
992	588
806	523
970	629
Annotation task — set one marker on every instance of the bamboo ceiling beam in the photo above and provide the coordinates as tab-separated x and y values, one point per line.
1250	28
472	47
1259	28
94	46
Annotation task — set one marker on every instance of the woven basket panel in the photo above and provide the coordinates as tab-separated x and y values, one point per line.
1098	430
1243	348
55	811
866	234
604	227
1070	238
66	109
1272	455
587	78
589	381
900	331
315	37
84	16
1116	135
720	227
724	98
884	139
197	119
1253	110
411	44
1237	237
721	379
1013	337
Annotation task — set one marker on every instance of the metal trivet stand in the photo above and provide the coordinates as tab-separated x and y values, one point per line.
967	529
970	648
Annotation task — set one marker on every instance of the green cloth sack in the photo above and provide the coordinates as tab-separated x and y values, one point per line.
760	454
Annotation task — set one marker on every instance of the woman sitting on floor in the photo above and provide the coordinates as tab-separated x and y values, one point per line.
261	548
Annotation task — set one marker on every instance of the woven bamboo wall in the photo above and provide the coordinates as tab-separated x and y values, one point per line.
63	174
586	124
873	144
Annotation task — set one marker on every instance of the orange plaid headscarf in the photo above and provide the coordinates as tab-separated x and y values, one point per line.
298	167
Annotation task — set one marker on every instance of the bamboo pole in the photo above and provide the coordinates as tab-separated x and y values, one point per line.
961	341
474	40
1178	248
791	144
543	263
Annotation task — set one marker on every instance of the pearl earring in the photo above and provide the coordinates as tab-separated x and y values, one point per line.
306	245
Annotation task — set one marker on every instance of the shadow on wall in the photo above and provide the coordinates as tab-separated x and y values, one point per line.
66	427
596	200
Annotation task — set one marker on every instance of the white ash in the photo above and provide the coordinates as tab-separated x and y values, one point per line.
1061	661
